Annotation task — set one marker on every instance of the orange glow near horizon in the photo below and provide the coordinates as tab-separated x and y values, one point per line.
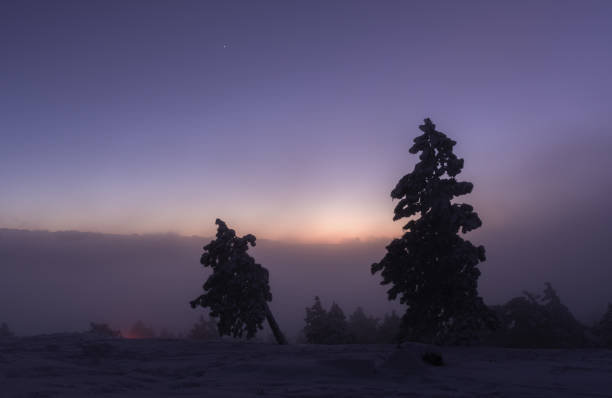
313	231
329	221
325	221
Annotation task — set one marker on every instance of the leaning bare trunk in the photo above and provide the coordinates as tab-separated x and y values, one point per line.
278	335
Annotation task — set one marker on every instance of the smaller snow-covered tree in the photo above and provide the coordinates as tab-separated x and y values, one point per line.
237	292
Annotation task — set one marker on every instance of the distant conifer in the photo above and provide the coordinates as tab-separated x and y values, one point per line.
362	329
315	330
338	326
389	329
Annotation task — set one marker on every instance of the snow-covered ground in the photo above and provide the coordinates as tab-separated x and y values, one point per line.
83	365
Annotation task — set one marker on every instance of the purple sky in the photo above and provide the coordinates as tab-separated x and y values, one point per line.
292	120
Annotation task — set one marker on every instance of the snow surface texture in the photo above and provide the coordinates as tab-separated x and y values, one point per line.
79	365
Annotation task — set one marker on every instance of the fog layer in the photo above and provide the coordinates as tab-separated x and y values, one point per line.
60	281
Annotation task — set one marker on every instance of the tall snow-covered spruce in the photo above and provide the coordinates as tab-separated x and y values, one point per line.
237	292
431	267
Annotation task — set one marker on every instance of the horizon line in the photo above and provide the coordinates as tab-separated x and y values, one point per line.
288	240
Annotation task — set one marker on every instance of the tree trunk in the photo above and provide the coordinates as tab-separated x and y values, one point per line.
278	335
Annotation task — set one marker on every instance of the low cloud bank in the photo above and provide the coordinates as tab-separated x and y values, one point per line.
60	281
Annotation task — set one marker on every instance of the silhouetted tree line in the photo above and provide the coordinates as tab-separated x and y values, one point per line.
543	321
537	321
529	321
332	327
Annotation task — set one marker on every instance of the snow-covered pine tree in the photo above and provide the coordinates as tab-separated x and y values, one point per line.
237	292
431	267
